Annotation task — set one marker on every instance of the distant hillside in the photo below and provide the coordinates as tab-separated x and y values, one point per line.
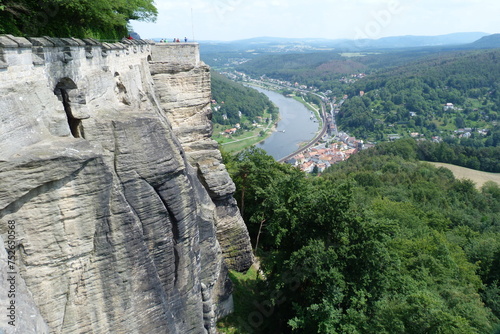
491	41
435	96
235	103
295	45
322	70
328	70
420	41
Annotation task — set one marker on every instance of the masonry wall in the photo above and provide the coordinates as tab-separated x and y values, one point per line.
179	53
87	65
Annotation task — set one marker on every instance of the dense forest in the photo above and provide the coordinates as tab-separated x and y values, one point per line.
307	69
325	70
381	243
232	97
432	97
101	19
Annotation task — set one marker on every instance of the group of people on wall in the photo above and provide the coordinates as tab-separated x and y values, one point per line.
176	40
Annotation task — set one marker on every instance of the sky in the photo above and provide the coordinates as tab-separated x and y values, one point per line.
229	20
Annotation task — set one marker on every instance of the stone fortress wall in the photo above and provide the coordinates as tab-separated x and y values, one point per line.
69	62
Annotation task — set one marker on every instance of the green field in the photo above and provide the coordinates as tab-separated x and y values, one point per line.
236	143
478	177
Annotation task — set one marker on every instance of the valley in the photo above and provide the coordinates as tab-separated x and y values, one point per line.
383	239
256	186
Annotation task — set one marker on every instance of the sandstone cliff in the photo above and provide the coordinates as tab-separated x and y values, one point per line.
183	89
118	195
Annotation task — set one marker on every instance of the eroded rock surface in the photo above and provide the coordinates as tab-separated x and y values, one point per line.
117	223
190	118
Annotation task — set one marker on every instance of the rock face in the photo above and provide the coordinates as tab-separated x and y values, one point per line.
190	116
119	220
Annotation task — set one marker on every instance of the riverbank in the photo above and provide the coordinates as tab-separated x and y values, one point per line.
263	136
277	89
235	144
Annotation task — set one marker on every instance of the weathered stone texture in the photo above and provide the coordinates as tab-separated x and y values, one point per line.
190	118
115	232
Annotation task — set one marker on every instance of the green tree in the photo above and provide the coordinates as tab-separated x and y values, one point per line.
78	18
404	248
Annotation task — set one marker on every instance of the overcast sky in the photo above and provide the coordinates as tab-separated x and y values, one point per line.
227	20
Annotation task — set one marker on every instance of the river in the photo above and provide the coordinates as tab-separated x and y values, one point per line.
295	120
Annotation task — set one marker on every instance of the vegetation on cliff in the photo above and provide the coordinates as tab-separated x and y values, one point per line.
381	243
102	19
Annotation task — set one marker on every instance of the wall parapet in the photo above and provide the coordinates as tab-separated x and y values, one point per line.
176	53
38	51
